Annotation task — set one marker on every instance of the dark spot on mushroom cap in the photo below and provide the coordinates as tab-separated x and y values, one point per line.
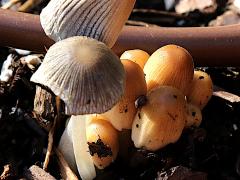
193	114
139	116
201	77
99	148
123	109
175	96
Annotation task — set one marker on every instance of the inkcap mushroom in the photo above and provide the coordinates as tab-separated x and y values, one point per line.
84	73
122	114
102	140
89	142
161	120
170	65
201	89
136	55
194	116
99	19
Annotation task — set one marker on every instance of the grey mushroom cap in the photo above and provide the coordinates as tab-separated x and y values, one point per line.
99	19
84	73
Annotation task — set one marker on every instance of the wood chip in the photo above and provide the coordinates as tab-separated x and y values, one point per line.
37	173
227	96
181	173
8	172
221	93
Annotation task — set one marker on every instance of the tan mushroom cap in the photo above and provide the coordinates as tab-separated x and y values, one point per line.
84	73
122	114
170	65
99	19
194	116
101	133
161	121
136	55
201	89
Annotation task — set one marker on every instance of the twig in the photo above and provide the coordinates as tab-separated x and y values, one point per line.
29	5
50	144
140	23
51	134
65	170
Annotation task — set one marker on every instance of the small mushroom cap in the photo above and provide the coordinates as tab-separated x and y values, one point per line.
102	140
84	73
136	55
201	89
99	19
122	114
161	121
194	116
170	65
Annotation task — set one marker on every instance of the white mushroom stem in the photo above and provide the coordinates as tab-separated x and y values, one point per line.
83	158
66	147
74	147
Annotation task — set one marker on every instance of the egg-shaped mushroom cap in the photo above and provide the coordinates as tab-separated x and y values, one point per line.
84	73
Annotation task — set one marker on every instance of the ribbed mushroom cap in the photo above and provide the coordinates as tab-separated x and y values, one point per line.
84	73
99	19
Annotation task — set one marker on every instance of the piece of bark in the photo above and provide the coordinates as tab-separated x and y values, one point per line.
37	173
181	173
44	106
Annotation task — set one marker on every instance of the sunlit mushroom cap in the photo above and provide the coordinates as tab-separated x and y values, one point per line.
98	19
84	73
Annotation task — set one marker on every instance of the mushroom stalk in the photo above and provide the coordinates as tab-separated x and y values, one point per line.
73	145
209	46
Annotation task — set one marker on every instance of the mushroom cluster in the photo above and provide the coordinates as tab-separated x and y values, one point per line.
155	97
160	99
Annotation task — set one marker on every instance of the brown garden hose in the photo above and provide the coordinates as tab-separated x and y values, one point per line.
210	46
